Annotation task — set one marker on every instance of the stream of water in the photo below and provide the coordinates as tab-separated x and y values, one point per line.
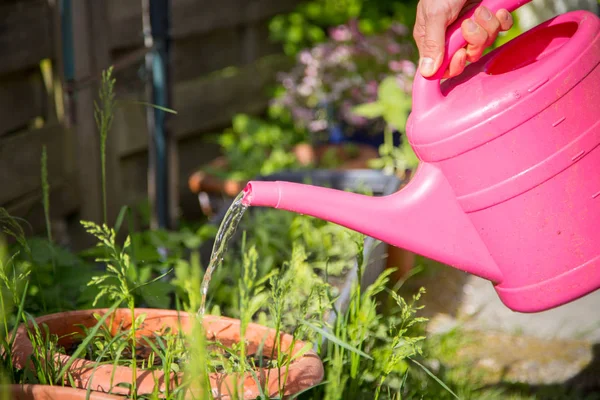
224	234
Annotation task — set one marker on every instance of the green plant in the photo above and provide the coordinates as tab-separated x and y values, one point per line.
393	105
103	112
310	22
255	147
331	78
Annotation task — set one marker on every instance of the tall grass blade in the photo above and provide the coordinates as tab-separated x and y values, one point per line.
143	103
336	340
428	372
89	338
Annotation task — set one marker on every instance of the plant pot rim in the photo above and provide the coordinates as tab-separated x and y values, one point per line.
47	392
303	372
203	181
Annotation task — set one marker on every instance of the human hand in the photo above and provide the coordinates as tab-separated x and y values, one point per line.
434	17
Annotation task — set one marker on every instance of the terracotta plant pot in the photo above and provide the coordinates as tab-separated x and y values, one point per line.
306	154
202	181
303	372
204	184
401	259
44	392
356	159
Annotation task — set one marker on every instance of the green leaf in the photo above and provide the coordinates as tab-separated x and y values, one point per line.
369	110
428	372
336	340
303	350
120	218
157	294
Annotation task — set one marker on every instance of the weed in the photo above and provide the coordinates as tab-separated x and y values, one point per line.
103	113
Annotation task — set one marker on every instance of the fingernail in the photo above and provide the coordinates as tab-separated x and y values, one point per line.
471	26
507	16
426	66
485	13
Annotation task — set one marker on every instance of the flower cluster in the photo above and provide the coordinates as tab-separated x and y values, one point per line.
330	79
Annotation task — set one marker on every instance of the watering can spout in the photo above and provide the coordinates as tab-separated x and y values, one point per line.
424	217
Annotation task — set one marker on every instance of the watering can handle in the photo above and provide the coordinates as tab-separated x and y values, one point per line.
427	91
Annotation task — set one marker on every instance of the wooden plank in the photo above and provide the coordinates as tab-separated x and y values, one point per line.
191	17
20	160
198	55
64	201
193	152
26	36
22	98
125	19
208	102
204	104
92	56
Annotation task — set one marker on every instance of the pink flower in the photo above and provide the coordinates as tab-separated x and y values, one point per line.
288	83
399	29
394	48
404	83
404	67
408	67
371	88
311	71
317	126
340	33
305	57
395	66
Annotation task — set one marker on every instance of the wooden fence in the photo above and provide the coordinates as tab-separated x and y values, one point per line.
222	62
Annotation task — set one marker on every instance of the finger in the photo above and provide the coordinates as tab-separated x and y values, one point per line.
506	21
433	17
485	19
476	38
457	64
431	44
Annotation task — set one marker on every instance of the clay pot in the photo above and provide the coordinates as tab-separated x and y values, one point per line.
304	372
401	259
306	154
348	160
202	181
44	392
209	187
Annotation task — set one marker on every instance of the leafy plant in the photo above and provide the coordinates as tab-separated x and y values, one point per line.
253	147
310	22
393	105
103	112
332	77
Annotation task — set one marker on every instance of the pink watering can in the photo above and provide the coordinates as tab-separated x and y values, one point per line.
508	185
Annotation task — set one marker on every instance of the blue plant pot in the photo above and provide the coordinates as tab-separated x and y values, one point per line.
361	136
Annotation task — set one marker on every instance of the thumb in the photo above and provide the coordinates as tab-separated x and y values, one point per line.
431	44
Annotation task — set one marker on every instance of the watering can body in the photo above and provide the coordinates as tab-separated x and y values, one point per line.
508	187
516	136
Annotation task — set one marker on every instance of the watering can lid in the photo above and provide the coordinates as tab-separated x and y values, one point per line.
504	88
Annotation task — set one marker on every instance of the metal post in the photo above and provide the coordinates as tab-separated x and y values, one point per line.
162	156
